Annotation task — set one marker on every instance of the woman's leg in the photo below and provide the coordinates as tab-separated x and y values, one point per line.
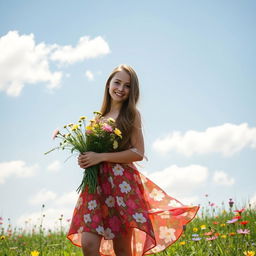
122	244
91	244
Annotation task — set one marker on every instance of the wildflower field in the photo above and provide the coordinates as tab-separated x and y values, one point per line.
215	231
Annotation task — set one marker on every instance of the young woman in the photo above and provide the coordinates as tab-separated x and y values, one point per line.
129	215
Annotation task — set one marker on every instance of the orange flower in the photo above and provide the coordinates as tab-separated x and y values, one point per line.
232	233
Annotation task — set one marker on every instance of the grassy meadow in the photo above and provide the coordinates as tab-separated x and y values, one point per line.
216	230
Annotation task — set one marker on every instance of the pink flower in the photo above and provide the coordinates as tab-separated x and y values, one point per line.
115	223
211	238
243	232
107	128
96	218
88	131
240	211
55	133
131	204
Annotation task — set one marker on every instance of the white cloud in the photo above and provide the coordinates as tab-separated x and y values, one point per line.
45	196
89	75
54	166
179	181
58	205
50	221
226	139
22	61
42	197
253	201
222	178
86	49
16	169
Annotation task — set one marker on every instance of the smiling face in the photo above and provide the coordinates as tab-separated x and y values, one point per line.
119	86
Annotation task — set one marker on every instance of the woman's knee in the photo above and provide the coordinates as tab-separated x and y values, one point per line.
90	243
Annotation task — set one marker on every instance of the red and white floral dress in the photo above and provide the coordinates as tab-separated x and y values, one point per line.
126	199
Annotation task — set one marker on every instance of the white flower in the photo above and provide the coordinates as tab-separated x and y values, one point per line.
125	187
110	201
174	203
157	195
80	230
118	170
108	234
158	248
155	210
79	202
87	218
165	215
167	234
120	201
92	204
139	247
110	179
100	230
139	217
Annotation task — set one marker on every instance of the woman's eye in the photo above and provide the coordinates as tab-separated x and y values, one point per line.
116	82
128	86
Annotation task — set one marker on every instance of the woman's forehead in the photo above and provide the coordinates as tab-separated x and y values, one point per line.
122	76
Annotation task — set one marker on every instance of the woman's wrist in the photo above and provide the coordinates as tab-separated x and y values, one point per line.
103	157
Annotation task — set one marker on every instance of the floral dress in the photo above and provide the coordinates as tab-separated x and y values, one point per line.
126	199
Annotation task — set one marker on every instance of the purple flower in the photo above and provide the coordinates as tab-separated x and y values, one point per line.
195	235
231	202
232	221
196	239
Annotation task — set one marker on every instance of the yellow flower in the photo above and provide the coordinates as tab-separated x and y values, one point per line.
111	120
74	127
224	212
195	229
97	113
70	124
115	144
117	132
95	126
88	127
203	226
222	224
34	253
223	236
249	253
2	237
182	243
83	117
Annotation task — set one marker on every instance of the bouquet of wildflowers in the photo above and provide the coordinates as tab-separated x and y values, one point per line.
98	136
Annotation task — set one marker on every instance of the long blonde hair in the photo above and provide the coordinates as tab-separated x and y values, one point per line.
128	111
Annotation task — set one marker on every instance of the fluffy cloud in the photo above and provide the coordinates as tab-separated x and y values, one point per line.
179	181
253	201
58	205
16	169
226	139
22	61
85	49
42	197
89	75
54	166
222	178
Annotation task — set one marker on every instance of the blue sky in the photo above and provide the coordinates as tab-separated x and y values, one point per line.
196	64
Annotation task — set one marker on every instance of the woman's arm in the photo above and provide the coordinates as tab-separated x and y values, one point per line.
127	156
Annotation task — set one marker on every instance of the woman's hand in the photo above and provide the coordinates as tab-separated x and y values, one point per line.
88	159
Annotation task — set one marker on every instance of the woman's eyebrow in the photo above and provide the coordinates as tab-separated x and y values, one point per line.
121	81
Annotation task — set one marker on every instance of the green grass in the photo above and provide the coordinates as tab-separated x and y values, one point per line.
210	224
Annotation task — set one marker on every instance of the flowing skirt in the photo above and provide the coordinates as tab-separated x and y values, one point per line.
126	199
